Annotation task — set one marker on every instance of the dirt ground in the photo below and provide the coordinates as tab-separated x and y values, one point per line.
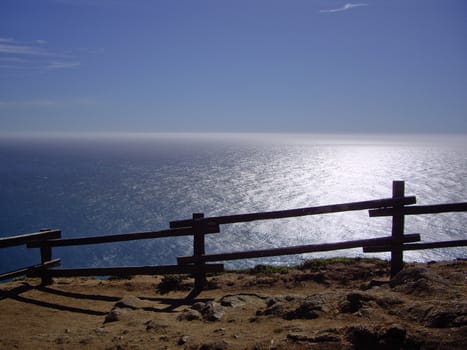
335	305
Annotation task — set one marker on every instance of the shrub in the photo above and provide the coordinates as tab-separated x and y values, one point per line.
171	283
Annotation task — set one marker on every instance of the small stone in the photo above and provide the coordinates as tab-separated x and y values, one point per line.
295	337
189	315
100	331
326	337
212	311
155	326
183	339
130	302
219	345
86	341
362	337
114	315
392	337
199	306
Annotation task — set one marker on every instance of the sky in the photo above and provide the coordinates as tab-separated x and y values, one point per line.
295	66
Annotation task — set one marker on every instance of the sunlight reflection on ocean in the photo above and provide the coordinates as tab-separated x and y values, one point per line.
101	184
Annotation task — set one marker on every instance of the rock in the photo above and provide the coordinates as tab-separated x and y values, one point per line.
189	315
392	337
362	338
212	311
123	307
419	281
312	307
218	345
307	310
101	331
155	326
183	339
319	338
388	301
116	314
298	337
326	337
375	283
354	302
236	300
274	309
292	307
86	341
199	306
130	302
455	316
439	315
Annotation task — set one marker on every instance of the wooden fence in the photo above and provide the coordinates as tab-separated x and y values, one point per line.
397	206
42	236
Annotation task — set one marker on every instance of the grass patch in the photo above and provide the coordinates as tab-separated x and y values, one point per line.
323	263
19	278
268	270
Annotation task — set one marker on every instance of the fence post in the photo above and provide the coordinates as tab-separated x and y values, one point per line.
199	251
397	261
46	255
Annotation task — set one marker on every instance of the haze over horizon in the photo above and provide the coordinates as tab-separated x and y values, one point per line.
273	66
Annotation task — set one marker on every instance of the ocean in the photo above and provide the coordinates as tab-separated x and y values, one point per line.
96	184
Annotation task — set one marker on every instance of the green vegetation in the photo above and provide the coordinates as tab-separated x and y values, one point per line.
322	263
312	264
268	269
19	279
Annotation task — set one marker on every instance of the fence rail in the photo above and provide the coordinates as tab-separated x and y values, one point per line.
397	207
30	270
420	209
418	246
37	237
185	231
282	214
301	249
6	242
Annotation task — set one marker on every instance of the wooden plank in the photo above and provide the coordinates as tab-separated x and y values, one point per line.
134	270
420	209
397	230
295	249
199	249
46	255
186	231
27	270
29	237
325	209
419	246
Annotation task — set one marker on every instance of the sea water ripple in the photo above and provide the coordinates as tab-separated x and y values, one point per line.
104	185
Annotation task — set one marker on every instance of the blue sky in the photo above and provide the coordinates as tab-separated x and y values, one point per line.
233	66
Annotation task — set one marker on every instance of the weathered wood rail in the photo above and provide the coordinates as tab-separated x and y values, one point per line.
397	207
46	249
38	237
